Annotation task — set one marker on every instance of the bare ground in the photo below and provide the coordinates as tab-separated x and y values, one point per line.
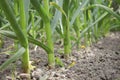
101	61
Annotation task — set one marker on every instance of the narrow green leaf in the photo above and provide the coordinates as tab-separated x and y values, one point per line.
16	56
36	23
2	20
12	35
9	34
56	17
58	7
43	13
36	42
26	5
11	17
59	62
66	29
78	10
90	26
60	32
109	10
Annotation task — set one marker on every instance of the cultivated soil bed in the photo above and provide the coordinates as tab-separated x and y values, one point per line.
101	61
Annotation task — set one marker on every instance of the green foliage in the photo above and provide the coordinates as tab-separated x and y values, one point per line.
59	62
1	42
10	16
30	39
118	1
44	14
16	56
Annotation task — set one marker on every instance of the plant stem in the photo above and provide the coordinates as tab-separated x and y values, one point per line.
25	57
77	30
65	22
51	59
16	7
44	13
21	34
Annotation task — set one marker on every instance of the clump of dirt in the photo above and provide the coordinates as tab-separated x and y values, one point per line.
101	61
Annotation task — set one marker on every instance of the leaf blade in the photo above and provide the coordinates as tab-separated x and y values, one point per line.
17	55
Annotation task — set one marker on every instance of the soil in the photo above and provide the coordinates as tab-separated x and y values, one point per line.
100	61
